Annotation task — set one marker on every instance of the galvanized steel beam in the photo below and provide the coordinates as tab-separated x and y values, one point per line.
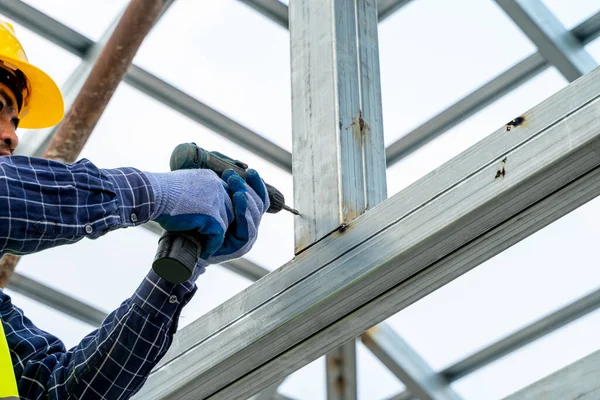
337	133
577	381
540	166
419	378
269	393
555	43
515	76
337	127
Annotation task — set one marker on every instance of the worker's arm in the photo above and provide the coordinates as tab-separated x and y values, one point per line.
115	360
111	362
44	203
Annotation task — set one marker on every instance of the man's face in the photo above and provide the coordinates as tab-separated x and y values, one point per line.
8	121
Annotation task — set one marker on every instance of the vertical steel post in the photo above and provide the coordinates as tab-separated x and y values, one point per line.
339	154
341	372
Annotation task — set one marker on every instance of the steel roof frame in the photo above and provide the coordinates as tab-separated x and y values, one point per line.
153	86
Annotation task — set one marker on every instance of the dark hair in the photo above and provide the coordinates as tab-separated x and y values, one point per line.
15	81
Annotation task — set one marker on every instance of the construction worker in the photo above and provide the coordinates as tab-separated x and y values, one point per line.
45	203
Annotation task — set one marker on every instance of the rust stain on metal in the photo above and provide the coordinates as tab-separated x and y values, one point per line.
360	126
361	122
515	122
340	384
335	362
366	336
342	228
502	169
336	365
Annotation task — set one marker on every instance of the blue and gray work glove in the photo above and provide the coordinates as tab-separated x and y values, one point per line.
225	212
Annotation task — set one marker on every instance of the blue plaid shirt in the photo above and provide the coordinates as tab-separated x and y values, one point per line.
43	204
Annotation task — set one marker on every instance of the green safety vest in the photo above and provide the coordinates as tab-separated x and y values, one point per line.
8	383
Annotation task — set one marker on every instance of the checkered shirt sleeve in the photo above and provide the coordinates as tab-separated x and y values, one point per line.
112	362
44	204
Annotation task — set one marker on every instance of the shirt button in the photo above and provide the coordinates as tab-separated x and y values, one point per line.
133	217
88	229
172	299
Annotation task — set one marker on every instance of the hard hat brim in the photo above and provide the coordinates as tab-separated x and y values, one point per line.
45	105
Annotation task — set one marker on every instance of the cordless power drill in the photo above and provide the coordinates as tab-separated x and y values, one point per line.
178	252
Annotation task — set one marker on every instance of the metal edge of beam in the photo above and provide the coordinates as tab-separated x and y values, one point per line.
56	300
589	30
279	396
555	43
268	393
487	94
557	146
578	380
151	85
418	377
385	8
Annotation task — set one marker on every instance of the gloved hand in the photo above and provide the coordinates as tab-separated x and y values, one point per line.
250	202
227	212
193	199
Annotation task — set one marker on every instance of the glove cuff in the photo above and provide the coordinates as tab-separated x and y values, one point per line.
199	270
166	187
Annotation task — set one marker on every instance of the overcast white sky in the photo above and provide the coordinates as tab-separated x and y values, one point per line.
433	52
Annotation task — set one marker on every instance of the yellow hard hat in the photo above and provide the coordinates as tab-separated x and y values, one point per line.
43	104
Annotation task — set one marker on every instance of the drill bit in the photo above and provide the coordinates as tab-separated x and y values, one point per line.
295	212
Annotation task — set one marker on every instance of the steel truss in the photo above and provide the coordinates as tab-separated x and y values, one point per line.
534	205
519	179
